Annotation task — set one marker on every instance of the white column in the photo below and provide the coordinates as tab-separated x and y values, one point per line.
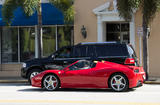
19	51
99	29
132	32
56	37
36	43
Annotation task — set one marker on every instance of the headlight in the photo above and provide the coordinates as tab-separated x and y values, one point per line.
24	65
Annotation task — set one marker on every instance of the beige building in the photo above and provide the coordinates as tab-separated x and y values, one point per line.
102	23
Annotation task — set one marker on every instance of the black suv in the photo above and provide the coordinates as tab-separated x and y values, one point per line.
108	51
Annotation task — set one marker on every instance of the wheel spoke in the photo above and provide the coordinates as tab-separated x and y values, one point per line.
118	87
121	78
46	81
50	78
48	86
115	78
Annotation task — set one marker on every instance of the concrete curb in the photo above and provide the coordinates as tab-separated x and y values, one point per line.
152	82
13	81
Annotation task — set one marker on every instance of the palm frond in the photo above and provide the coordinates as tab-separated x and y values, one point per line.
150	8
8	8
126	8
66	6
30	6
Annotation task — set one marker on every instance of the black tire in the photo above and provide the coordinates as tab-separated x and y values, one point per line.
50	82
32	73
119	82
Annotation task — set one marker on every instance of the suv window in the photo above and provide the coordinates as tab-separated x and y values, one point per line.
91	51
131	51
111	50
63	53
80	51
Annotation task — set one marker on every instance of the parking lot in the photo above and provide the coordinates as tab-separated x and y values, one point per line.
24	94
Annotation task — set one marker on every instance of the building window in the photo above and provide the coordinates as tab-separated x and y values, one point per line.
9	41
17	44
117	32
27	43
49	40
64	36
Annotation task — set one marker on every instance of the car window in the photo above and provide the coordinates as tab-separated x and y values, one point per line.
64	53
131	52
111	50
80	51
91	51
81	65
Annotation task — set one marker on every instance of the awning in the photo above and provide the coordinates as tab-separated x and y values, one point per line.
50	16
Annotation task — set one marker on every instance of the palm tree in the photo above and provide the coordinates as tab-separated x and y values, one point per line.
149	9
30	6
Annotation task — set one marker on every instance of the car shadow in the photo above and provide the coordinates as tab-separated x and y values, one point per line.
74	90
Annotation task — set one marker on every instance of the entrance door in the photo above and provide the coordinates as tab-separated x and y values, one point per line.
117	32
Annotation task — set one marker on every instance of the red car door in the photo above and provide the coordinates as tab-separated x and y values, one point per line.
86	77
77	78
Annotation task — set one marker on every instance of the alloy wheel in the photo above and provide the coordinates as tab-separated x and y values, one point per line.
119	83
50	82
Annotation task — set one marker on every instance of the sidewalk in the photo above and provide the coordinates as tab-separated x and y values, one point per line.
153	80
12	80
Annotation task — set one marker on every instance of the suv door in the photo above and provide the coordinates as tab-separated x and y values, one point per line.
60	58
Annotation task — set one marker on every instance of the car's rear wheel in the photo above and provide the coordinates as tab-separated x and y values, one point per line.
119	82
33	73
51	82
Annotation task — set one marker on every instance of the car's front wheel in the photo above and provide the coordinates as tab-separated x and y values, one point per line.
50	82
119	82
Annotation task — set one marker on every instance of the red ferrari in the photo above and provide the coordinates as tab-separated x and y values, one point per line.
91	74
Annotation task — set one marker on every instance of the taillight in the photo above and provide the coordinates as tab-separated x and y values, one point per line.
129	61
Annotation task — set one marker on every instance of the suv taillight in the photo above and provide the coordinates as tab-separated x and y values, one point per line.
129	61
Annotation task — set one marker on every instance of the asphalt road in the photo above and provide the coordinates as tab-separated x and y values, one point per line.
23	94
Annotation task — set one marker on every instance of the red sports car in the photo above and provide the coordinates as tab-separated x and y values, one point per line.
91	74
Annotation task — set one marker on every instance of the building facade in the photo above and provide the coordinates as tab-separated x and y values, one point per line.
18	43
101	22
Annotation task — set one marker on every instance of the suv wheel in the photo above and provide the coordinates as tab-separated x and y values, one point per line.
119	82
33	73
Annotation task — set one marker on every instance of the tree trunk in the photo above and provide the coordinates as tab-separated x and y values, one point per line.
145	48
39	30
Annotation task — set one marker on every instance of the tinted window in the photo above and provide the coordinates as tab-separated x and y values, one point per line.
112	50
64	53
80	51
91	51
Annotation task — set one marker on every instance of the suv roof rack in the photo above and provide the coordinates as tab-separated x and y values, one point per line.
90	43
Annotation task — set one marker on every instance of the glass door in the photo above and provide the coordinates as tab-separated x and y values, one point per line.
117	32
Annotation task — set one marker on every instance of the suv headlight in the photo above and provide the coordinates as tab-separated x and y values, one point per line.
24	65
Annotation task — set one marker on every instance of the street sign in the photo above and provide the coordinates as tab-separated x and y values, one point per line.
140	31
